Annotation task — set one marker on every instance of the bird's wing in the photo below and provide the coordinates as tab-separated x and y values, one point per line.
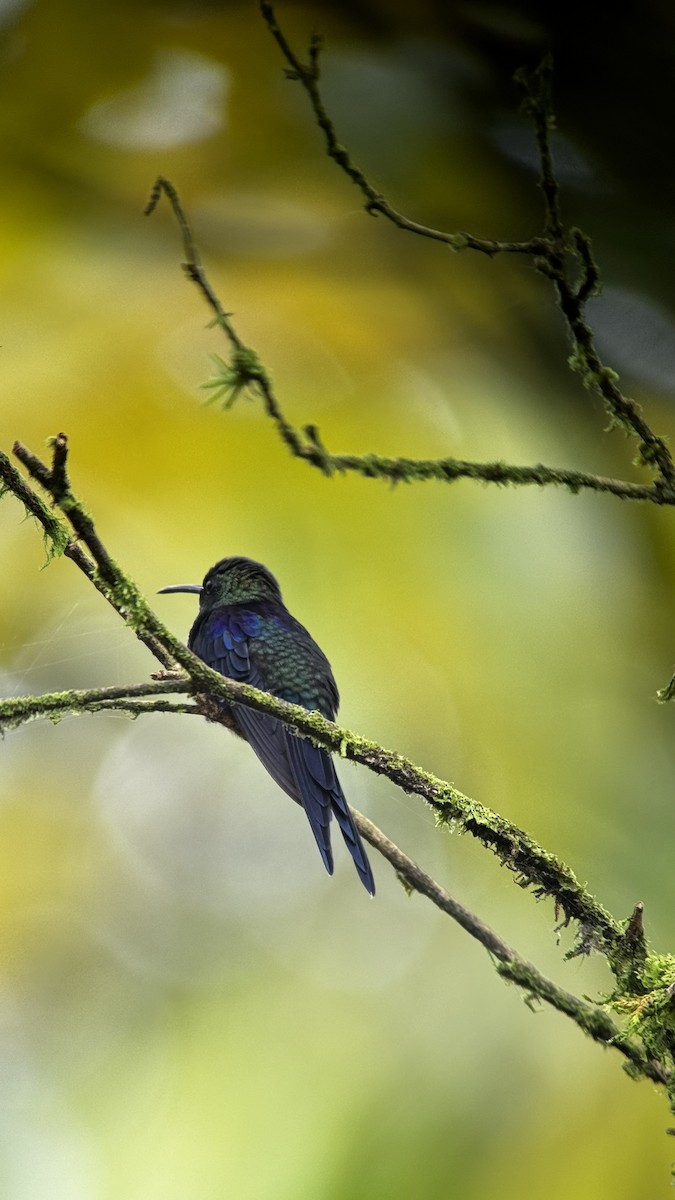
227	643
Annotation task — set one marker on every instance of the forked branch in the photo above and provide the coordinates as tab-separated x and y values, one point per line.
534	867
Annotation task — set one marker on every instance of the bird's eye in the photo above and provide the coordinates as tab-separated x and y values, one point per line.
208	586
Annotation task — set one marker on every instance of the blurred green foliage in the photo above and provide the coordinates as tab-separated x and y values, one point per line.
189	1008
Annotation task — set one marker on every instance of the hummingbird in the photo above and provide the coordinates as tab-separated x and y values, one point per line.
244	631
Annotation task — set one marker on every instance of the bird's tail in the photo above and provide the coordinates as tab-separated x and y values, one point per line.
352	838
320	793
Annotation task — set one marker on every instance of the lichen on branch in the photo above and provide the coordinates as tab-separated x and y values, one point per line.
650	1053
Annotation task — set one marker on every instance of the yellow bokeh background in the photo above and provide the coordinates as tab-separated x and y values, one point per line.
190	1009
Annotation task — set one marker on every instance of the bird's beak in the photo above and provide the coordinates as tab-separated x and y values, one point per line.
181	587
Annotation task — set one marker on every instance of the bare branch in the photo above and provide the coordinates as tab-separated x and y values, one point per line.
245	370
553	252
308	74
591	1019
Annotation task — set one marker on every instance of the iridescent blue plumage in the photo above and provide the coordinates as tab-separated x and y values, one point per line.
245	631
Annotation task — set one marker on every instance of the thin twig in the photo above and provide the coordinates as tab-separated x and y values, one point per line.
17	710
596	1023
308	74
55	481
134	708
192	264
100	569
551	252
246	370
55	531
563	243
447	470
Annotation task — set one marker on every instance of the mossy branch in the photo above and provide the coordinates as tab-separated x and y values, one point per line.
532	865
644	994
308	75
643	980
562	254
135	700
551	253
244	370
568	263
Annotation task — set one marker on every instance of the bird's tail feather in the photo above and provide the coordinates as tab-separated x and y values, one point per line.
353	841
321	795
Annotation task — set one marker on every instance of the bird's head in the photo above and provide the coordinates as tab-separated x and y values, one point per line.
232	581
